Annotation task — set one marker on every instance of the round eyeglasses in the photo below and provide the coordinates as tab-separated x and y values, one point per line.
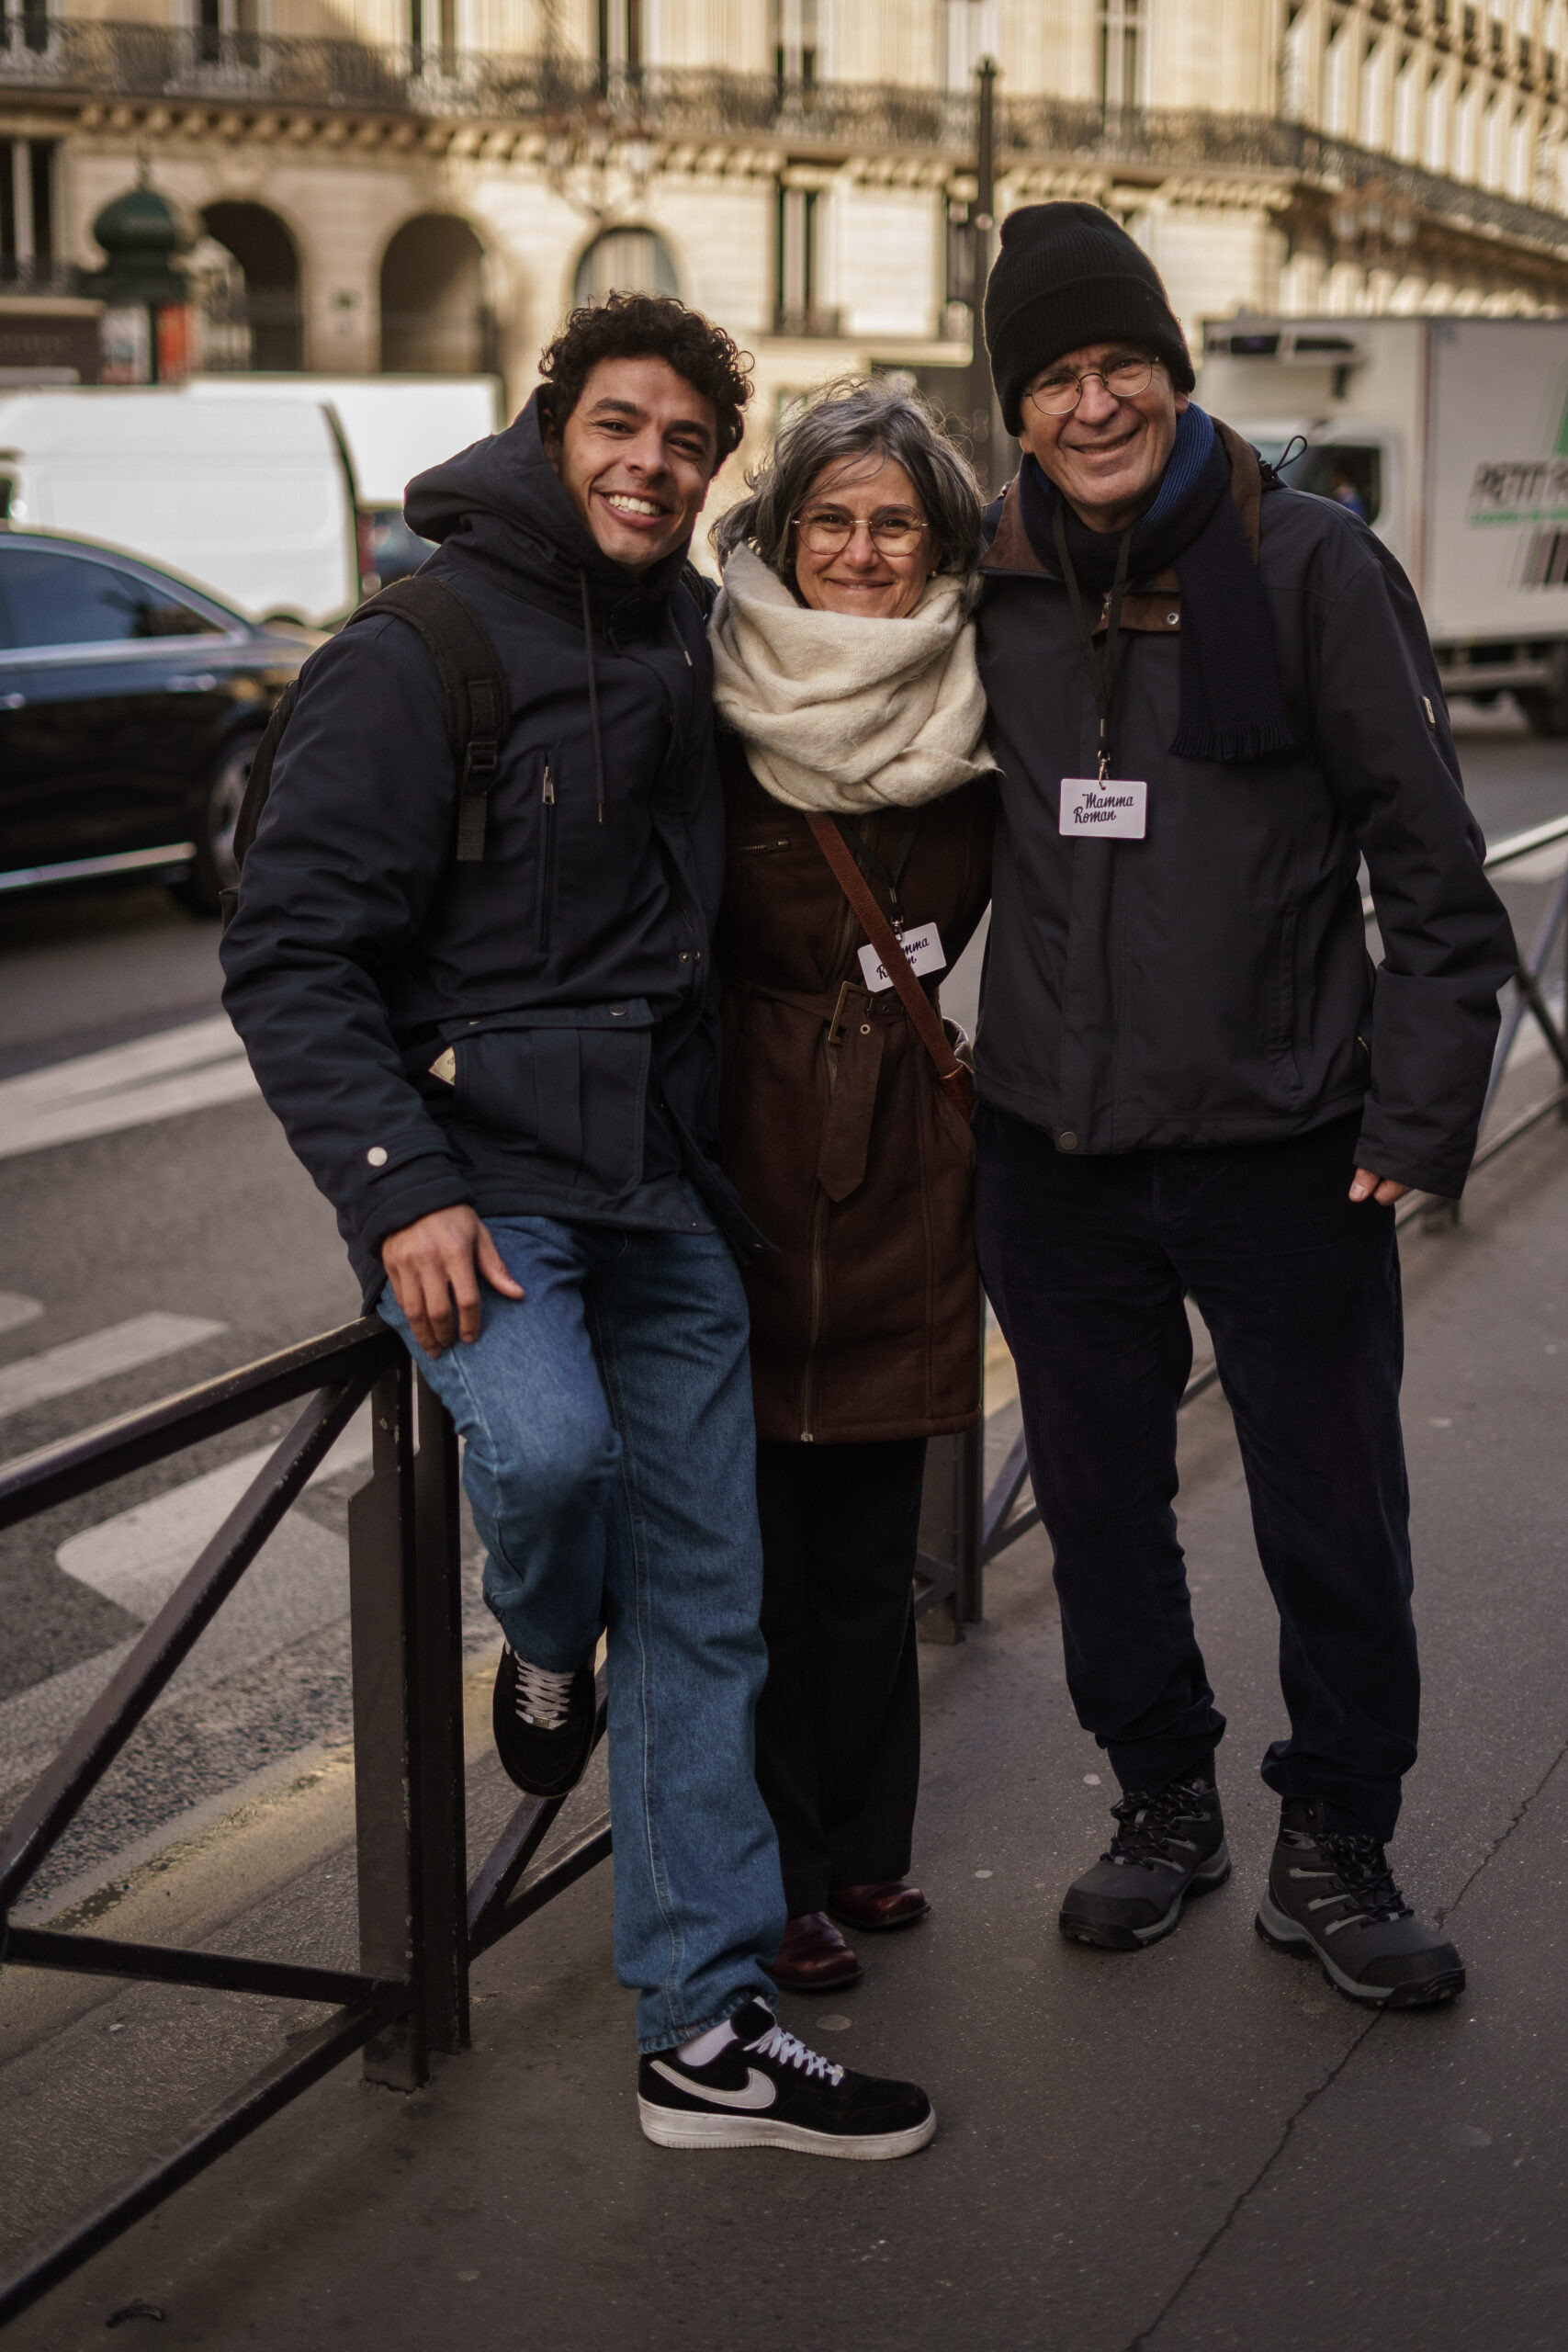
1125	378
828	530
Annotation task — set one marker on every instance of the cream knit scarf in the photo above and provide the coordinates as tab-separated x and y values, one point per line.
842	713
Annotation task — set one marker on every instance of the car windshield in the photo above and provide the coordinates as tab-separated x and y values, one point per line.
51	596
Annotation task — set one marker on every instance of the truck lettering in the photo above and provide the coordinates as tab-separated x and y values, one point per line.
1519	490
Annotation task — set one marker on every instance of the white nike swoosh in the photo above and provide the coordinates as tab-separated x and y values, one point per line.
759	2091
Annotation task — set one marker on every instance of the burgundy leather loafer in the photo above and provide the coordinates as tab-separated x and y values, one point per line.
813	1957
889	1902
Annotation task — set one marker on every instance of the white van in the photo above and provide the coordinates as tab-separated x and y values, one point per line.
253	498
395	426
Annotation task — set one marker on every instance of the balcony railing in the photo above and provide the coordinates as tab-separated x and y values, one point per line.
570	99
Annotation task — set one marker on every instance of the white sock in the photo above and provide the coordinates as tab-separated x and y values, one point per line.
706	2046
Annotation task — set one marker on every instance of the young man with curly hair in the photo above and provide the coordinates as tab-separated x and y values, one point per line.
503	1071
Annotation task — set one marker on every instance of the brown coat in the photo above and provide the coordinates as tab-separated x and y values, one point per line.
837	1133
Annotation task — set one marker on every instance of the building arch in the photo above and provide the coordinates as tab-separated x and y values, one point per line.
626	260
438	310
264	311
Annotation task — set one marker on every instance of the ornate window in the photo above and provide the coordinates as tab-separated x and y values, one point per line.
1121	27
620	40
626	261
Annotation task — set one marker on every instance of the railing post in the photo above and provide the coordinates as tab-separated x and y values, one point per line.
951	1510
441	1928
950	1533
389	1821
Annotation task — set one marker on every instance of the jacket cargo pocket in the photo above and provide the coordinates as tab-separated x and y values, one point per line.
570	1088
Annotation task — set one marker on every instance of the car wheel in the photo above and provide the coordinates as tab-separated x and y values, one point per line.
218	812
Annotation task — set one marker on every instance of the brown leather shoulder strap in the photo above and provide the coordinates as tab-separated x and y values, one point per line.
923	1016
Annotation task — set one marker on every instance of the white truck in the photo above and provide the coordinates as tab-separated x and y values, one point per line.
394	427
1449	436
253	500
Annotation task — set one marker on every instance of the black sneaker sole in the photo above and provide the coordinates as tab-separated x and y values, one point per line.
679	2128
1105	1937
1296	1942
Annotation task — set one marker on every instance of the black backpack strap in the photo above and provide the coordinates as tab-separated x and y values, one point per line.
259	783
472	685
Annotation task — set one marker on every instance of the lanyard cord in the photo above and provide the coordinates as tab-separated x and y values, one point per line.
869	863
1102	679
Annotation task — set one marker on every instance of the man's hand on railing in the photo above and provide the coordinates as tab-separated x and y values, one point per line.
435	1265
1365	1185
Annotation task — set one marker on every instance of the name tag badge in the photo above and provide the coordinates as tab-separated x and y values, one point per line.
923	948
1115	809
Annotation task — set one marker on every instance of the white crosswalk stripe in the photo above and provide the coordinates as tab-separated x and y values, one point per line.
189	1069
138	1557
297	1583
98	1356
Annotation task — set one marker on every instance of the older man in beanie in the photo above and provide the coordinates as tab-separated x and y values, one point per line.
1210	697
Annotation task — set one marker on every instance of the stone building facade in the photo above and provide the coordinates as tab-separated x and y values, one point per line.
421	185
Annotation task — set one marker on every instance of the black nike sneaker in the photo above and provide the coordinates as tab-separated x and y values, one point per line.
1169	1843
543	1724
1332	1898
766	2089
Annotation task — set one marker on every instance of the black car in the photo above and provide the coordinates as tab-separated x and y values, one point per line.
131	704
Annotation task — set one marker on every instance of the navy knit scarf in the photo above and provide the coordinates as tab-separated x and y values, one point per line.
1233	700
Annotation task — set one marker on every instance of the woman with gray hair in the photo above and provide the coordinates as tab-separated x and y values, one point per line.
859	802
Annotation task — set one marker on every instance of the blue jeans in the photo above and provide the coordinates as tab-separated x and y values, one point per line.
610	1466
1086	1261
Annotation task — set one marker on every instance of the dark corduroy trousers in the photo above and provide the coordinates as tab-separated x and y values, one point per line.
839	1720
1087	1262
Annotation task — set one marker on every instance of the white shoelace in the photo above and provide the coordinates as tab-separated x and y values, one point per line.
778	2044
543	1698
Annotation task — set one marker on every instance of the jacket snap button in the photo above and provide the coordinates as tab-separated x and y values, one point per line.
1173	619
866	1028
377	1154
1066	1140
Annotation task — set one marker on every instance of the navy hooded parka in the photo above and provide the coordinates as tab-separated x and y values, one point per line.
562	984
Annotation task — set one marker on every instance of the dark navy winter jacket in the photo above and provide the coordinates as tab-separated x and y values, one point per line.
562	984
1209	984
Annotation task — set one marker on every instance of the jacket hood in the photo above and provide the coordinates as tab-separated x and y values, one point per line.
502	501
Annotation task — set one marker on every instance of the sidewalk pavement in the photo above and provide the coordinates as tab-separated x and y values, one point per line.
1191	2149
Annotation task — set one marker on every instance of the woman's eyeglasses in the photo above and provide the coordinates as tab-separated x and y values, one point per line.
828	530
1059	393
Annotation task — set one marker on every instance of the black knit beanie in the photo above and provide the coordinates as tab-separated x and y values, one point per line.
1067	276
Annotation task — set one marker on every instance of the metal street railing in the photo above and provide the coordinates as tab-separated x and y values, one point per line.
1002	1521
420	1923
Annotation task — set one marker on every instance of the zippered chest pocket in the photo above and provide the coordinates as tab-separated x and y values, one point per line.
548	856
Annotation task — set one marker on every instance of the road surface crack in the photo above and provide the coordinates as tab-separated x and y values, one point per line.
1146	2335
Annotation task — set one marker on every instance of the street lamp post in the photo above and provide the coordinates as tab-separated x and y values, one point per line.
979	402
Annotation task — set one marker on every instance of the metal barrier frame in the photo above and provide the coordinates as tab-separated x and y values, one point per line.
421	1924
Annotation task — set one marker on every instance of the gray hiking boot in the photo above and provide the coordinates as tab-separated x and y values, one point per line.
1332	1898
1169	1843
